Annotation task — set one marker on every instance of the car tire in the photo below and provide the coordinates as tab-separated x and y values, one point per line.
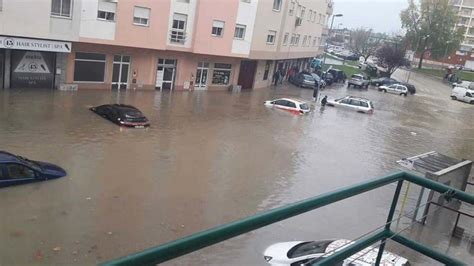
348	85
471	102
453	98
384	90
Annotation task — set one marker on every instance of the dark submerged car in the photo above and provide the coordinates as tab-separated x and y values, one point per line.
383	81
16	170
303	79
409	86
338	75
122	115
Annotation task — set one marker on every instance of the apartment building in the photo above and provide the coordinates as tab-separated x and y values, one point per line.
464	9
157	44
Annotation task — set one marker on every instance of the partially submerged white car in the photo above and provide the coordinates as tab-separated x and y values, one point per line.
297	253
292	105
395	89
360	105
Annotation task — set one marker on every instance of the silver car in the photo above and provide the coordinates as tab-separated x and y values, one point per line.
358	80
357	104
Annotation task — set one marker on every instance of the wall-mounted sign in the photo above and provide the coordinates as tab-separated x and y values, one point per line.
34	44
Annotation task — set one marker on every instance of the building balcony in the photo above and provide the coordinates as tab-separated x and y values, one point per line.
329	10
177	37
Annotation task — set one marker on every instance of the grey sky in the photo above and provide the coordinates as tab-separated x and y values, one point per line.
380	15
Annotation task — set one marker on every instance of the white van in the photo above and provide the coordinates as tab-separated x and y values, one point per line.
463	95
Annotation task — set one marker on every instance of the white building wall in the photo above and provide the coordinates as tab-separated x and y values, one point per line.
91	27
188	9
32	19
245	16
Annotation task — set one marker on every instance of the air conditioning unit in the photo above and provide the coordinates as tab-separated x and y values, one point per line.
298	21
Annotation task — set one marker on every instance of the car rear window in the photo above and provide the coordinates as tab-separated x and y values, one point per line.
306	248
364	104
356	77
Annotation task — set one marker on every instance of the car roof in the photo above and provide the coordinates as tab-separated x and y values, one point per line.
358	98
119	106
292	100
6	157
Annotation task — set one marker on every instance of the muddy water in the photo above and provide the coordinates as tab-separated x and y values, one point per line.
207	159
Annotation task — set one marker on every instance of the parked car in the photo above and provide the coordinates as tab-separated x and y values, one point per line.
339	75
357	104
327	77
320	82
16	170
395	89
302	252
409	86
462	83
303	80
383	81
287	104
358	80
122	115
463	94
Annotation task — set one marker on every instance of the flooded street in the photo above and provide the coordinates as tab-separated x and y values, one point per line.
208	158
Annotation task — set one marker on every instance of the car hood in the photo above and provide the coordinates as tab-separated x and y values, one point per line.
280	250
383	87
51	169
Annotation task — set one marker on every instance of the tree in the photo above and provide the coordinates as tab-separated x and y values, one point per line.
391	56
364	42
429	28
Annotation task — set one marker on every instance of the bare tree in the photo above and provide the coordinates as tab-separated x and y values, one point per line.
391	56
364	42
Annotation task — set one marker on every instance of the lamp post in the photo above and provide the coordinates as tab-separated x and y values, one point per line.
329	34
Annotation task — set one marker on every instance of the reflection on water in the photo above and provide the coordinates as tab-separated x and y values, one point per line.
208	158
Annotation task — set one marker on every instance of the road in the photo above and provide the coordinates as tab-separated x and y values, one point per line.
207	159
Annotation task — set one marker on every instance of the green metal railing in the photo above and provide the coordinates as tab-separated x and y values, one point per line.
221	233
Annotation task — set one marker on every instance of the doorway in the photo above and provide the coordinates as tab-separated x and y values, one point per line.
2	64
120	71
201	76
247	74
165	74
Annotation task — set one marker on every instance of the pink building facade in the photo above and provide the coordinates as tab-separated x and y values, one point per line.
178	44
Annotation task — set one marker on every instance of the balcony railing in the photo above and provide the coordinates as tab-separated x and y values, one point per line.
177	37
221	233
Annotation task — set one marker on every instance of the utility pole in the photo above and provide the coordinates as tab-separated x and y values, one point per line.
329	34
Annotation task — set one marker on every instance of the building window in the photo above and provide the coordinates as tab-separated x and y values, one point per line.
305	39
218	28
292	8
89	67
106	10
276	5
61	8
221	74
310	15
309	41
303	9
184	1
141	16
239	31
324	20
320	18
271	37
178	31
314	42
285	39
245	1
297	41
293	39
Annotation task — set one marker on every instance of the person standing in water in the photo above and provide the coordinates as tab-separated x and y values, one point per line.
324	100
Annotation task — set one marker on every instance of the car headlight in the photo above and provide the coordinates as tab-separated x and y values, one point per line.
267	258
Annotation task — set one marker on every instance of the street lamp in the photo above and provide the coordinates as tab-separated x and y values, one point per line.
329	34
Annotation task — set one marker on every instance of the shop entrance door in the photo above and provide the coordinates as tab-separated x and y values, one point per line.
201	75
120	72
247	74
2	64
165	74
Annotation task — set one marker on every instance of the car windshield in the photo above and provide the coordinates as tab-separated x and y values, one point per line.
307	248
356	77
304	106
30	163
131	112
309	77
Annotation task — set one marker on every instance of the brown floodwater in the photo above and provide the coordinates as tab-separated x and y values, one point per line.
208	158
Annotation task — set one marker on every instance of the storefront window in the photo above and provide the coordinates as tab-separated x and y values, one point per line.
89	67
221	74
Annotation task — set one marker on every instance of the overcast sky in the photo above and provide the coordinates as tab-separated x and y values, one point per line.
380	15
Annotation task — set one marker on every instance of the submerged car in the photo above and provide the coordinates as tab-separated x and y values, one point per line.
16	170
302	252
339	75
383	81
303	80
291	105
122	114
358	80
357	104
395	89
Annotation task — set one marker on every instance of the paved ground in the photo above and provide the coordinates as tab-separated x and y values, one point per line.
207	159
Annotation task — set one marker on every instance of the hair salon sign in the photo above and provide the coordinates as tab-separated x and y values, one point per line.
34	44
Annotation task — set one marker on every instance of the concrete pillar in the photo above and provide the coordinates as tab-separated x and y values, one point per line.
8	64
61	70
